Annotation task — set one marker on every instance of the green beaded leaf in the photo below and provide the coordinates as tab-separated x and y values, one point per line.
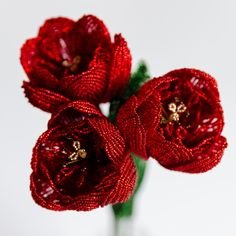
137	79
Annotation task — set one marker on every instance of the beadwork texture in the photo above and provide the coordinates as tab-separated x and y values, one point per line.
191	144
75	60
83	161
107	175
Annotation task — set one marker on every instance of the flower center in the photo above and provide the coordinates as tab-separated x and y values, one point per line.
77	154
175	109
73	66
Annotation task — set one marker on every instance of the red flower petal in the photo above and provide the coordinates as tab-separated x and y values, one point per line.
130	125
203	82
125	184
41	72
89	85
193	144
149	110
55	26
113	141
116	184
177	157
41	57
45	192
44	99
77	59
55	49
206	114
29	51
120	68
81	107
167	153
54	39
89	33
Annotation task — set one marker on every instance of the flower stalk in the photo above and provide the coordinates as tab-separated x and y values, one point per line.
123	212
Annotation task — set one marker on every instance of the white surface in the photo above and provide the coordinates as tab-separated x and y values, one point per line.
167	34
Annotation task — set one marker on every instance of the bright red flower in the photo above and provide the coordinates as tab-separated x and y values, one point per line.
76	60
177	119
81	162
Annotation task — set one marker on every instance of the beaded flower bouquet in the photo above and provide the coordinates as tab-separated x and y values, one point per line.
86	160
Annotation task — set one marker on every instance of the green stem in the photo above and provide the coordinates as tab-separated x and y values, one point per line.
124	210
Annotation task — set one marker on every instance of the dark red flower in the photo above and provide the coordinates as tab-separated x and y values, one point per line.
177	119
76	60
81	162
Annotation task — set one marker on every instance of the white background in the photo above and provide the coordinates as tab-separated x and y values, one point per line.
168	35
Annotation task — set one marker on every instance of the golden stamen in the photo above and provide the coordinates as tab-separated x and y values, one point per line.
72	65
174	117
172	107
66	63
76	145
181	108
176	108
78	153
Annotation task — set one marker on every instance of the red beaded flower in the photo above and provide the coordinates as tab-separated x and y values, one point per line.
81	162
177	119
76	60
